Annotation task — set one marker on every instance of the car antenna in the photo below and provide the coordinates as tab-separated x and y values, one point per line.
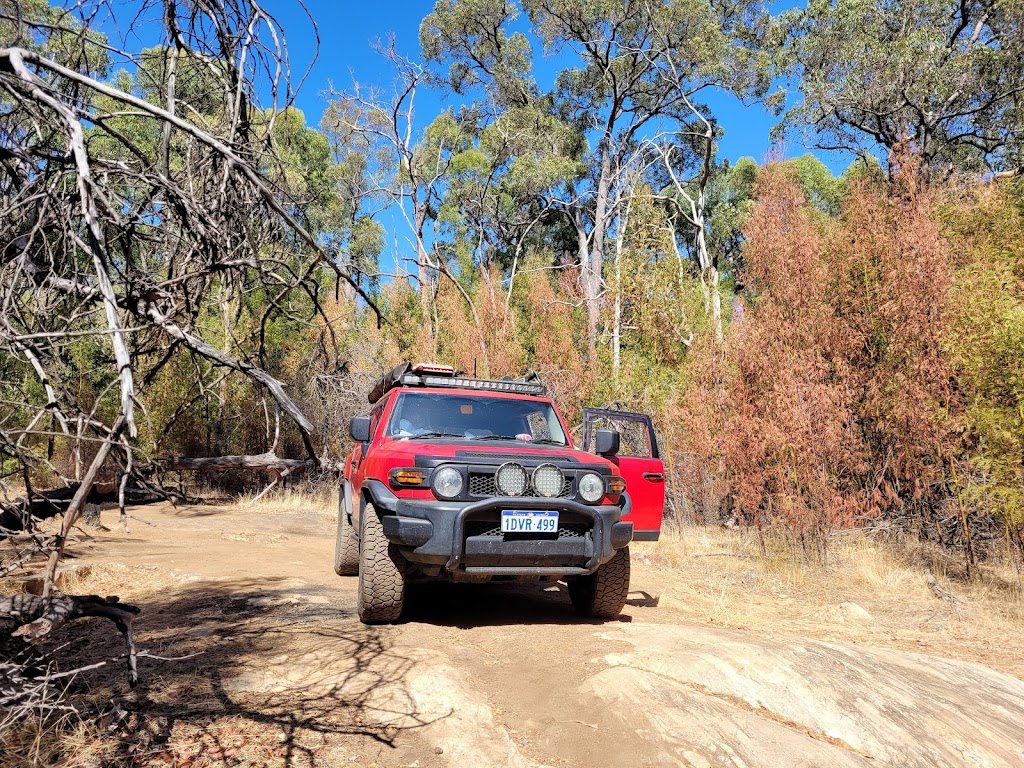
474	368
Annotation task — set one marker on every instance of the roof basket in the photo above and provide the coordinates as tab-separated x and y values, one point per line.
431	375
388	381
530	377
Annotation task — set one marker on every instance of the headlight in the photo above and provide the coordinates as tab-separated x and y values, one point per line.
510	480
548	480
591	487
447	482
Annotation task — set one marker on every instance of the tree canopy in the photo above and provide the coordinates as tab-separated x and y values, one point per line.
947	75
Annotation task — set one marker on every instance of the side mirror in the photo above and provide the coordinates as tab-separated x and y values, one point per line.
360	429
606	442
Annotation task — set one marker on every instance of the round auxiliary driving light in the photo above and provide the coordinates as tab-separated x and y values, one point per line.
548	480
510	479
591	487
447	482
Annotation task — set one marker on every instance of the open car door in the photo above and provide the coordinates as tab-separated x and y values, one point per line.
638	462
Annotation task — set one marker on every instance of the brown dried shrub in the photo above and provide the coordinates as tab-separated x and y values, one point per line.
790	437
831	401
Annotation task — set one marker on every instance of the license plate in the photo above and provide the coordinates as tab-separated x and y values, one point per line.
528	521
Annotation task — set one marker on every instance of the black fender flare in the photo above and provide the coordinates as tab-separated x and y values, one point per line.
375	492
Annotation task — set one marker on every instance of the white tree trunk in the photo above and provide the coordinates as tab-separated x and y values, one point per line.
620	241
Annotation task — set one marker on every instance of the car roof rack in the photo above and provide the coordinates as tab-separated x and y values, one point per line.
433	375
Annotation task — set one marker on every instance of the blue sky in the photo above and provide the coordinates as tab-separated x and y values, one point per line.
347	28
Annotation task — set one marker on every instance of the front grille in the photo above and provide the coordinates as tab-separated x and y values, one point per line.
482	528
488	528
482	484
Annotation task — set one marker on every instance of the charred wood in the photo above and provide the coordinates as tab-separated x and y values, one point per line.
47	504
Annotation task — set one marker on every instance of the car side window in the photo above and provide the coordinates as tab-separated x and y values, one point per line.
375	419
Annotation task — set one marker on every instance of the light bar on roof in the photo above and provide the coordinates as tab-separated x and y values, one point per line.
516	387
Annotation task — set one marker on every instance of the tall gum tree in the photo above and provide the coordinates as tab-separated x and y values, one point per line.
503	189
632	70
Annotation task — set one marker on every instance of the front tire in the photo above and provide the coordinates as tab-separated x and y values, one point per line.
602	594
381	573
346	545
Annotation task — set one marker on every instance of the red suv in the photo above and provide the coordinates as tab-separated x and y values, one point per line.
472	479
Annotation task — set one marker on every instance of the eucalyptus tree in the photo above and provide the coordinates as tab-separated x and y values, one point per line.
632	70
503	191
474	39
946	74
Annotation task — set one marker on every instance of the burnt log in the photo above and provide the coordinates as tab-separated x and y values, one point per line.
47	504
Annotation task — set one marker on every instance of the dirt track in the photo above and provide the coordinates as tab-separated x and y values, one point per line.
498	675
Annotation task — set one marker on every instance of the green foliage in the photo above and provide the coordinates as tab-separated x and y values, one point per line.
198	84
946	72
628	51
472	35
54	31
304	165
986	345
498	182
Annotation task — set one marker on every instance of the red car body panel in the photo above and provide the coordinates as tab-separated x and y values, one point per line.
383	453
645	483
644	475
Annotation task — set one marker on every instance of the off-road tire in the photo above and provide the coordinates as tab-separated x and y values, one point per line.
346	546
381	573
602	594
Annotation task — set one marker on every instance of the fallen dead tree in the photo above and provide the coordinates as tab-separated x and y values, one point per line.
47	504
35	617
267	462
263	462
110	239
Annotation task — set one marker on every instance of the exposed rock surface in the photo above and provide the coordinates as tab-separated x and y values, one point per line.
723	695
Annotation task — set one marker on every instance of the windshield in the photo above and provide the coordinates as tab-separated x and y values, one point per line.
421	415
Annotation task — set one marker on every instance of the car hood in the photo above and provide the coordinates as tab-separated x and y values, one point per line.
468	450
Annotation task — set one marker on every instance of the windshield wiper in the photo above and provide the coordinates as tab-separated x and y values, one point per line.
434	434
542	440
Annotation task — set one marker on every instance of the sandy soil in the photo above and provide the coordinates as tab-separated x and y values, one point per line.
279	672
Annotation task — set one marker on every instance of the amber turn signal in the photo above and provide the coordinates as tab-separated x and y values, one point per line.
407	477
616	485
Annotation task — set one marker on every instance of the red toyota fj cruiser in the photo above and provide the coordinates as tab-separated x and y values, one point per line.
472	479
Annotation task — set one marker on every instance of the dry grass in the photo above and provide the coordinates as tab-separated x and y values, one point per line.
870	591
68	742
323	502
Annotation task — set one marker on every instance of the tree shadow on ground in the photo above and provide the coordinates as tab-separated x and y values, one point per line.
265	673
493	604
